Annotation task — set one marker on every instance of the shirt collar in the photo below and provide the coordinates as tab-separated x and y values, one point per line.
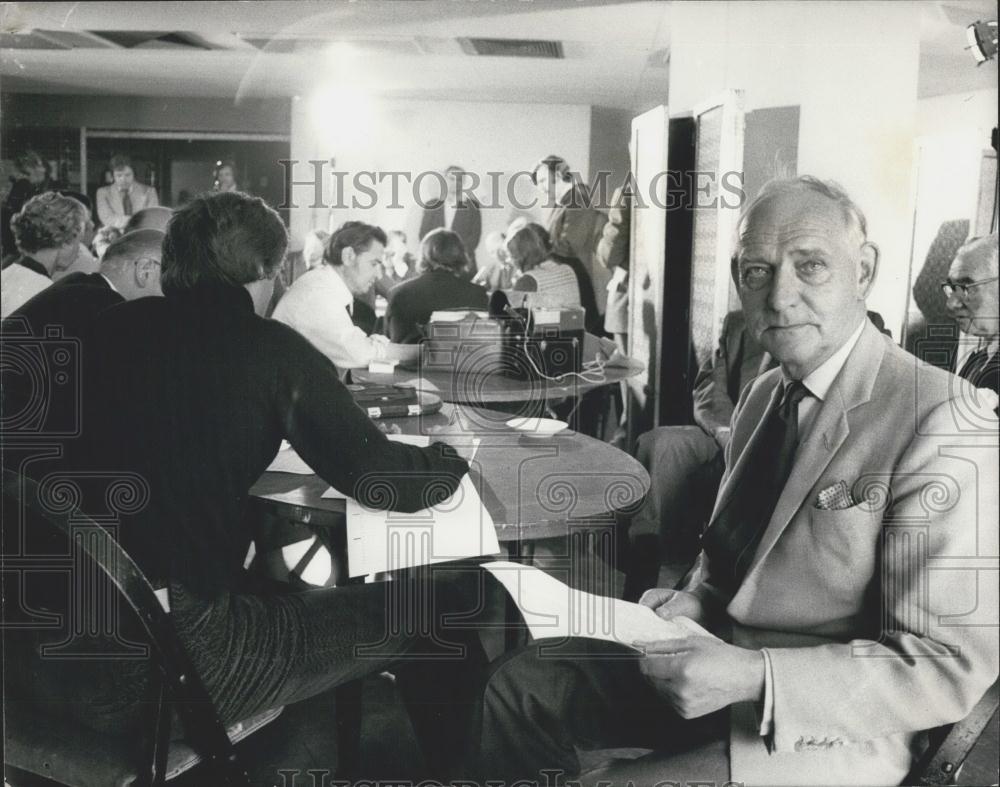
33	265
339	290
819	380
111	284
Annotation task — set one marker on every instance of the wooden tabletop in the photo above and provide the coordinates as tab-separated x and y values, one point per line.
476	386
531	487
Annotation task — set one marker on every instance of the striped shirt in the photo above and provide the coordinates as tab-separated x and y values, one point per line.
556	285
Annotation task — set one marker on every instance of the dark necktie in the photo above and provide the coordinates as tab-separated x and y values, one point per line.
126	202
732	537
974	365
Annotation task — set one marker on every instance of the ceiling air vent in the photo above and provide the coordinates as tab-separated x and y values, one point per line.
153	39
512	47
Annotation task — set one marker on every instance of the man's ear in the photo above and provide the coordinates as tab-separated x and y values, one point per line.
143	271
734	270
347	255
867	268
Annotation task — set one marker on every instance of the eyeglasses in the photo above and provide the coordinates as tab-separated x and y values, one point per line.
962	290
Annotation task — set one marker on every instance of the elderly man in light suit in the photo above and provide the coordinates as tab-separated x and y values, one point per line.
853	470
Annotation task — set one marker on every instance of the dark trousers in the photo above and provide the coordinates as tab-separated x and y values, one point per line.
685	467
542	703
256	652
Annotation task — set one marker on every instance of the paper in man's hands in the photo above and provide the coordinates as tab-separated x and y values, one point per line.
552	609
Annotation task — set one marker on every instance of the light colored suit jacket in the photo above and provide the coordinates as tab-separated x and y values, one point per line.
880	620
110	210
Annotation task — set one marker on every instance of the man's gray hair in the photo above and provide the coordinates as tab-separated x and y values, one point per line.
985	248
853	215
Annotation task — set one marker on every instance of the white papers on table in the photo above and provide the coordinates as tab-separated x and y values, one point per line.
287	461
459	527
551	608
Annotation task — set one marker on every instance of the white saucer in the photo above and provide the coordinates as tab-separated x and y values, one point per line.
537	428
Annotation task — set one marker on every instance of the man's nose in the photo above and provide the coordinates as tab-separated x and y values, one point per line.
784	291
954	302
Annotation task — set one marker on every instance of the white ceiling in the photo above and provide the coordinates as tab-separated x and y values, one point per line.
615	52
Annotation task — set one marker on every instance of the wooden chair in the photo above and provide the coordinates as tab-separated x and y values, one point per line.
949	746
38	745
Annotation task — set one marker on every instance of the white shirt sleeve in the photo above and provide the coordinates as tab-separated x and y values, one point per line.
329	328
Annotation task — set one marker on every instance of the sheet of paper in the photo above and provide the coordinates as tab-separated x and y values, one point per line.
552	609
287	461
459	527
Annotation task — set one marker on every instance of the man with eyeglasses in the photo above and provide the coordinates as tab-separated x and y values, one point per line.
839	644
67	311
973	295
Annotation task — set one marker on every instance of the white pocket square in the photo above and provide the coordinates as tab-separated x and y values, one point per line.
835	497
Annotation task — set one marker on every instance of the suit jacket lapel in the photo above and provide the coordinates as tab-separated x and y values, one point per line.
852	387
733	478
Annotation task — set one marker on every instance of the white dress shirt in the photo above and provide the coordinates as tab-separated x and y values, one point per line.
318	305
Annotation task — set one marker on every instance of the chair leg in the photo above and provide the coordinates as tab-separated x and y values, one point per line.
348	699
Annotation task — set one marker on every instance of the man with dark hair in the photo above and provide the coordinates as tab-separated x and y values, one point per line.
118	201
194	392
441	285
574	226
847	641
320	303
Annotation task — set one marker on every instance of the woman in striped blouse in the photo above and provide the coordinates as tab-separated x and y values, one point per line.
553	282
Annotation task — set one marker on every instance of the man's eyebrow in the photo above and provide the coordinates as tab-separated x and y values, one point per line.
809	251
751	259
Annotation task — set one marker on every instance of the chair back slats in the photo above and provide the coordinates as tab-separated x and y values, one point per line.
203	728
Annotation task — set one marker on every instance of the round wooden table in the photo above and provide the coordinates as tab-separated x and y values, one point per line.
478	387
533	488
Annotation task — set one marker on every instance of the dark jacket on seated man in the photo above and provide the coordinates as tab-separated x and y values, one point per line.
230	385
441	286
188	398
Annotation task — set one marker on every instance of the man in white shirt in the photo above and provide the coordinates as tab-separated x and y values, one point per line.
815	565
319	303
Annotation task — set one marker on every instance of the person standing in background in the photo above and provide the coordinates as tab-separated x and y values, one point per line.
225	176
31	180
117	202
574	227
458	211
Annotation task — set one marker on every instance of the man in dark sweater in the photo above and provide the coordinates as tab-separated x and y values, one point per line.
194	392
